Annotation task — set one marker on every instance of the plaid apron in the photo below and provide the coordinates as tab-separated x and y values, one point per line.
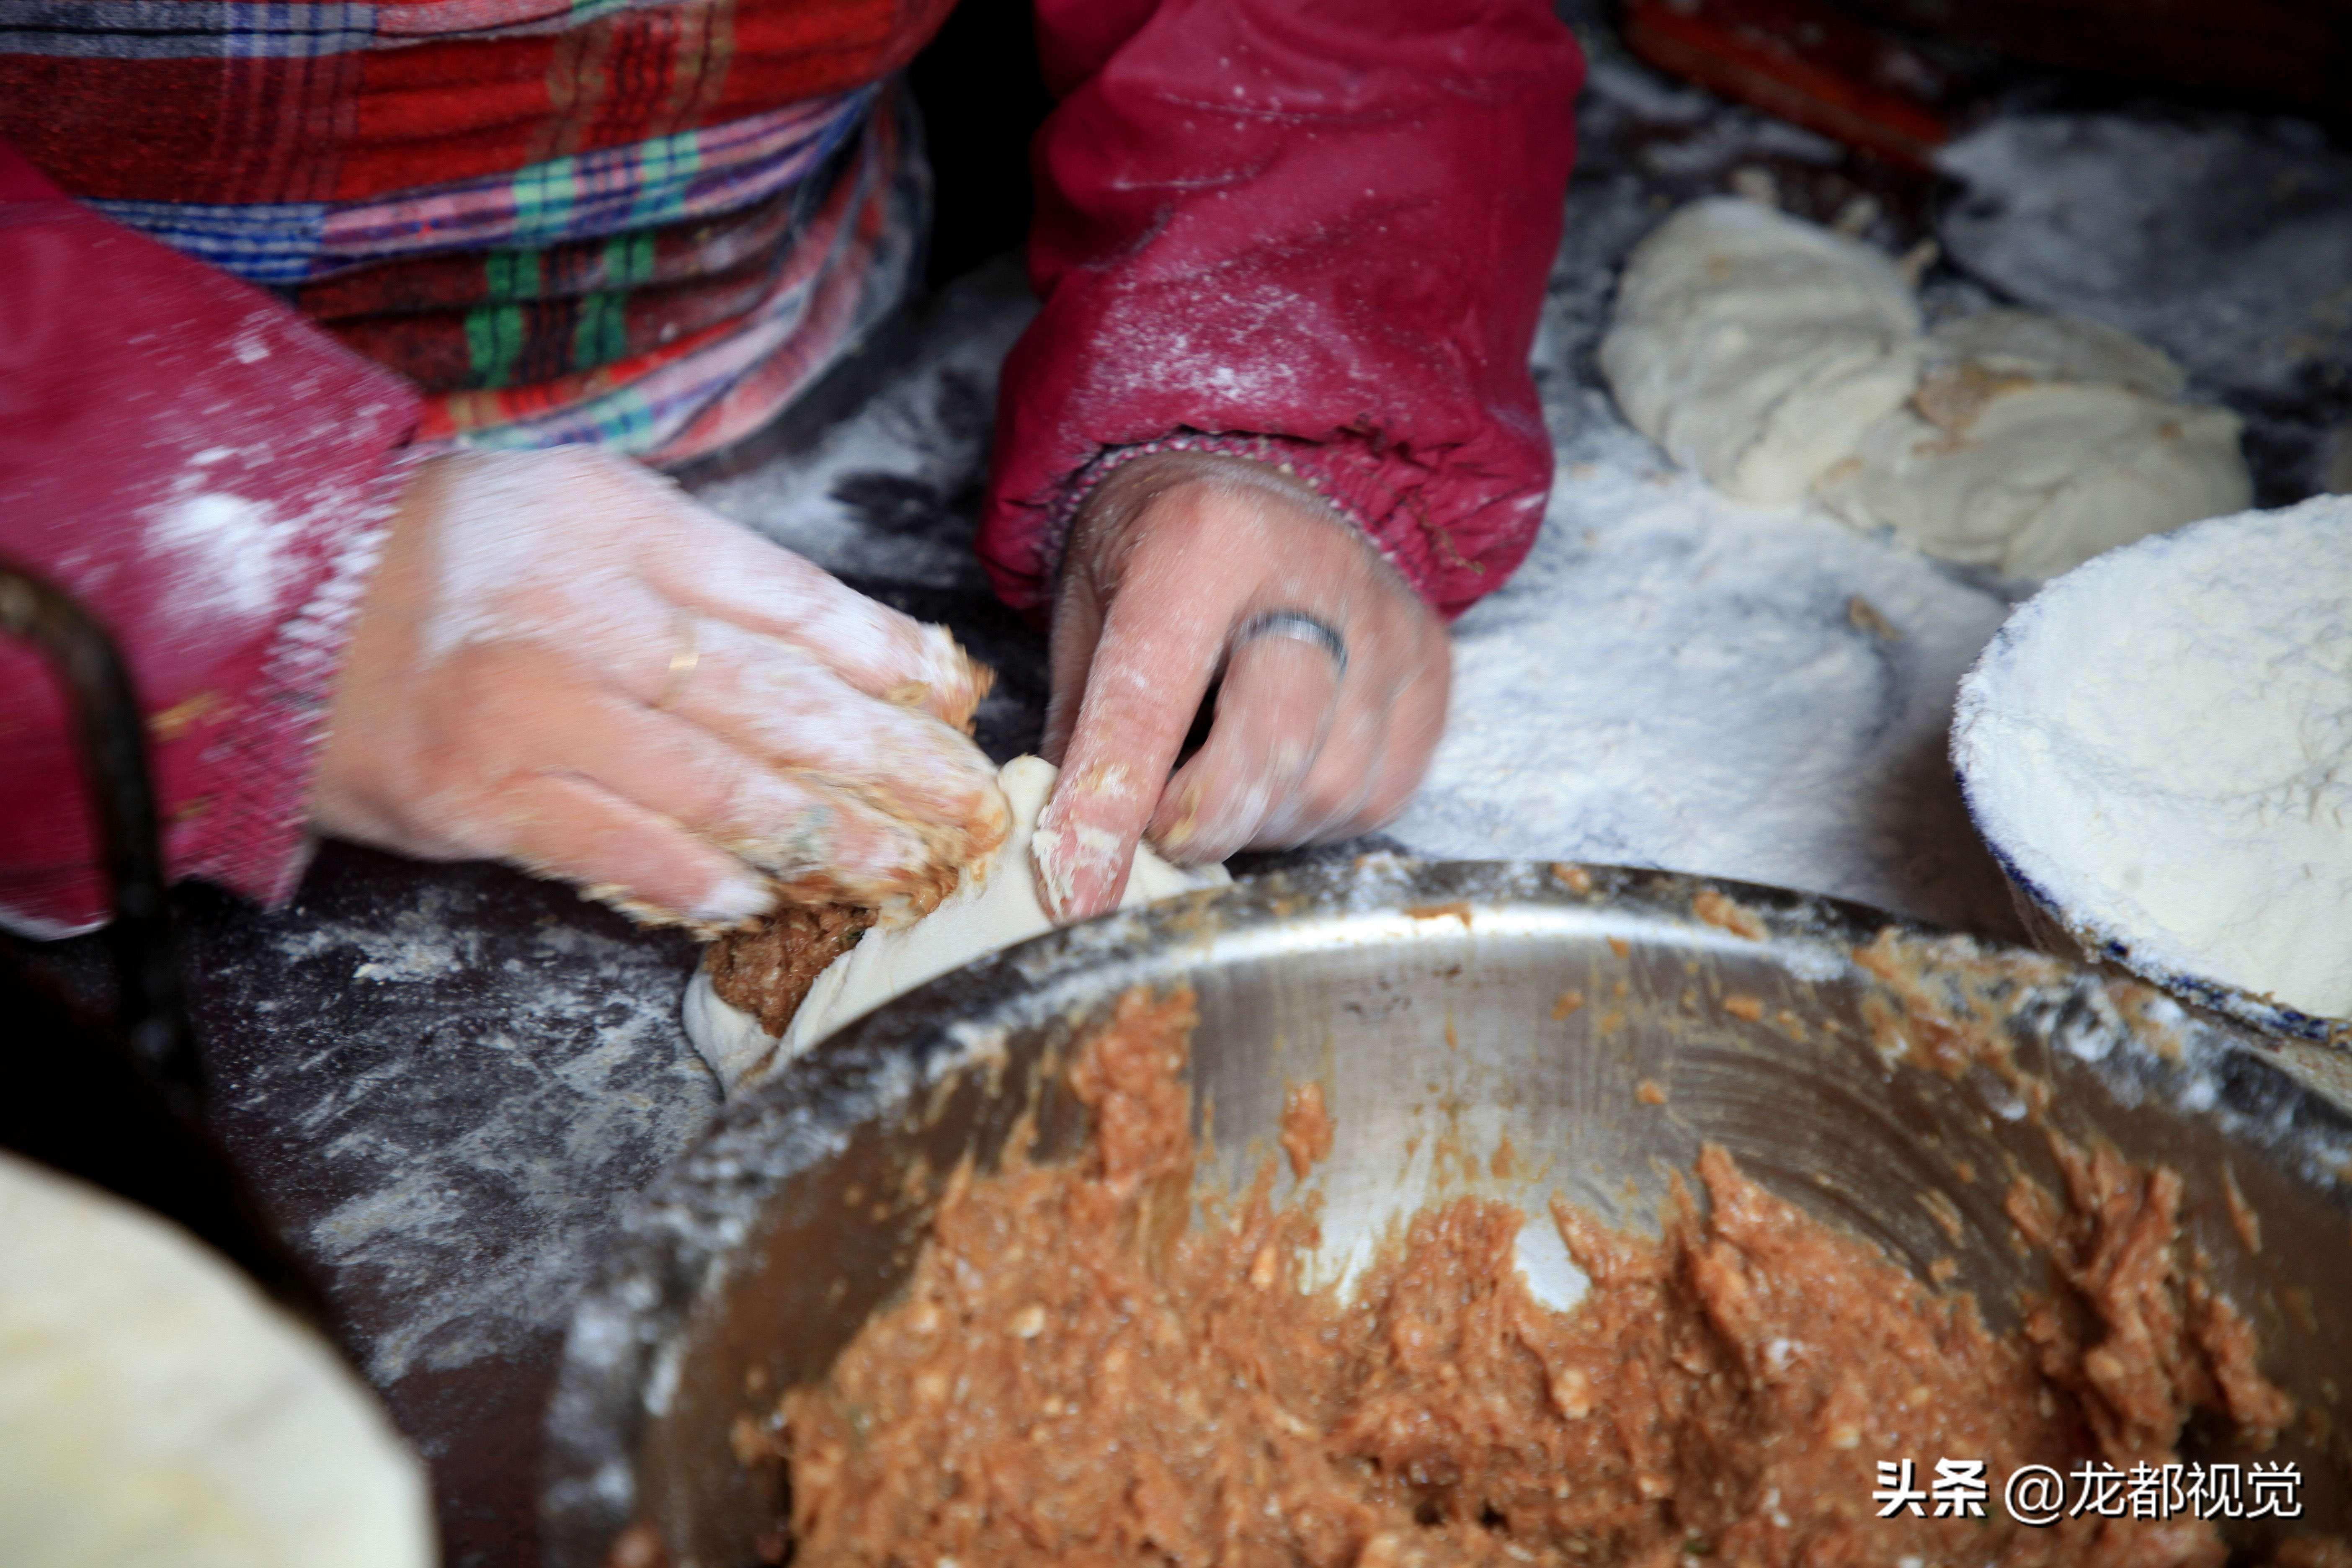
645	226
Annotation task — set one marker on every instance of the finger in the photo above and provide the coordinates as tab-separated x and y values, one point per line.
768	698
1416	723
1386	730
1077	633
1159	644
704	561
562	827
1334	789
793	828
1272	714
533	713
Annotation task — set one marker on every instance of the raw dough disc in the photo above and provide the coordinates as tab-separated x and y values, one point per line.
1754	347
2036	346
2035	443
156	1409
988	912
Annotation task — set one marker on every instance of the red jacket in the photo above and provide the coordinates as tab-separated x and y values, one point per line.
1312	230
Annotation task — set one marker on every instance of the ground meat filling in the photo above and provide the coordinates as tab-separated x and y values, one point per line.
766	971
1079	1374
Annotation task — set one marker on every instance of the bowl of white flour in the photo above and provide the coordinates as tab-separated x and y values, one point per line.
2158	749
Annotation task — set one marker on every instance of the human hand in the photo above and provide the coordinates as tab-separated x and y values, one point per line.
564	662
1181	564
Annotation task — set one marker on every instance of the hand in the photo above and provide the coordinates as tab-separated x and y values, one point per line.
1175	564
563	661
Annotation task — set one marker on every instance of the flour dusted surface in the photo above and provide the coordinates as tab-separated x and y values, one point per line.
2162	743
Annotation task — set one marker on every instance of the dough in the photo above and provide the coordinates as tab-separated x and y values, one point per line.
1756	348
2035	443
2036	346
987	913
156	1409
1776	357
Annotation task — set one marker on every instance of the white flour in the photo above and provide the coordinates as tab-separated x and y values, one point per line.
1673	679
2227	242
233	556
469	1216
2162	743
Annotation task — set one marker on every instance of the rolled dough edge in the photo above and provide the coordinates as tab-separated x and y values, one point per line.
735	1047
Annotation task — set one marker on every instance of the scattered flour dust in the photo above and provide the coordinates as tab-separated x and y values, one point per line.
890	492
234	556
1675	680
415	947
2162	743
462	1236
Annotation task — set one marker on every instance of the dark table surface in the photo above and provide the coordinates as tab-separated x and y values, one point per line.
443	1080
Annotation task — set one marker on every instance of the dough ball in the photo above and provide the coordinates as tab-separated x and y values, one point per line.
2036	346
984	915
2035	443
155	1408
1756	348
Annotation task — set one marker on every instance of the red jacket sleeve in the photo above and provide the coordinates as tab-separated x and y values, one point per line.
211	478
1311	231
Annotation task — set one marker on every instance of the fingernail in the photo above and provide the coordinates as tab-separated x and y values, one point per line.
1187	819
1077	866
734	899
1049	849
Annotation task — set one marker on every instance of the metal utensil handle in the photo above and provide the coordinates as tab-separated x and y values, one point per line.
113	747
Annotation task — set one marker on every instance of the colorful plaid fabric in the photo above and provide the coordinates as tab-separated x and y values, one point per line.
692	174
702	392
592	221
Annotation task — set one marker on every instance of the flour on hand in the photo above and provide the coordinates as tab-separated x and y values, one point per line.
1756	348
988	911
2160	743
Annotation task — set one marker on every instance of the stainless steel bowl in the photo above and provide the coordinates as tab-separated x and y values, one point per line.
1427	1000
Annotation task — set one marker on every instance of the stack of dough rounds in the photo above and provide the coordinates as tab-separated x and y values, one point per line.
1778	359
989	911
155	1409
1756	348
2035	443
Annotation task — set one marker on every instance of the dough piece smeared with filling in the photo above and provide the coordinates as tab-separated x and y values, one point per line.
1756	348
765	973
155	1408
764	996
2035	442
